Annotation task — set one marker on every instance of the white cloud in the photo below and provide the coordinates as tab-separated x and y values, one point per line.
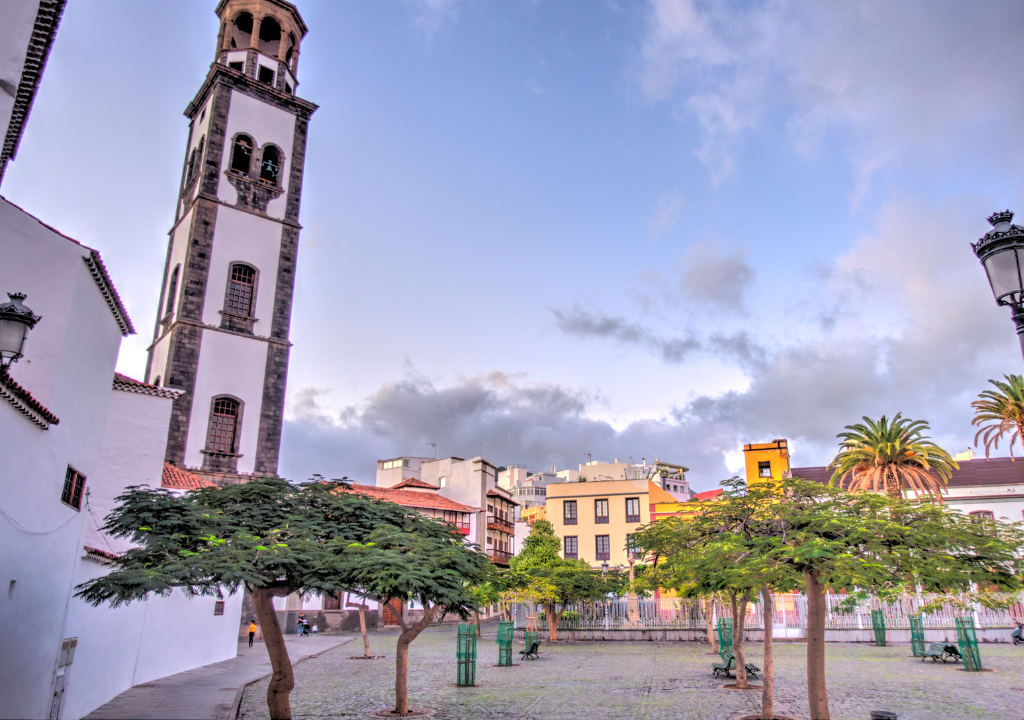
431	16
670	204
899	78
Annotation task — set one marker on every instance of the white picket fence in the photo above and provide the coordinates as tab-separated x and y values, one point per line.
789	613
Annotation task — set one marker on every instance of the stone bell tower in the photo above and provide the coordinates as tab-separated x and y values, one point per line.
226	300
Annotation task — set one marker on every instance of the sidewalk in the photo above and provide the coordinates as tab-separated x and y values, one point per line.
211	692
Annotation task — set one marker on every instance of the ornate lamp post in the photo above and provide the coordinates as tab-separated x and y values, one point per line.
1001	251
15	322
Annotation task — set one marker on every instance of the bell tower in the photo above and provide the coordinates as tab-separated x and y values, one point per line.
226	299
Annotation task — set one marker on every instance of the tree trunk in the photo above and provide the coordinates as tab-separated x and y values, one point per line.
738	622
282	681
552	623
768	672
709	623
817	693
409	633
362	622
893	486
478	633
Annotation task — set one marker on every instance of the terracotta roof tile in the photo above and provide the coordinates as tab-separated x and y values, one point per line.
412	498
413	482
178	479
24	403
127	384
972	473
503	496
708	494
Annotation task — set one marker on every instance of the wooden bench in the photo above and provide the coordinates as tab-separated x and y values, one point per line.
941	651
530	654
729	663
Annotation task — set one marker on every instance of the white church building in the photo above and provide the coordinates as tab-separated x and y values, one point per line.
76	433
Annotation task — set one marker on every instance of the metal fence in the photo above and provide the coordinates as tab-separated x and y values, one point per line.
789	614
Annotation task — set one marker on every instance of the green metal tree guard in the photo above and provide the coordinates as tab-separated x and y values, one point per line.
967	640
916	635
532	636
878	623
466	655
504	644
724	636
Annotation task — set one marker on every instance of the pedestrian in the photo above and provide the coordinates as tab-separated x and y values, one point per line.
252	631
300	623
314	628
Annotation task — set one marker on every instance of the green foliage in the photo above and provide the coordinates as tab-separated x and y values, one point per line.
999	412
314	537
891	457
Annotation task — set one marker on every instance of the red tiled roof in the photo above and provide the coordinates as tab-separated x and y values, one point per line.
972	473
127	384
413	482
708	494
503	496
178	479
24	403
412	498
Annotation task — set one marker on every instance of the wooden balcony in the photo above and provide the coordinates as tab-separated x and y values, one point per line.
499	523
498	557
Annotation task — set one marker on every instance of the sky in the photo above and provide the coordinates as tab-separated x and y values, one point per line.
547	231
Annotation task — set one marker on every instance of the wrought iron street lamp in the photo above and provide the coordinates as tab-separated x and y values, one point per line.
15	322
1001	251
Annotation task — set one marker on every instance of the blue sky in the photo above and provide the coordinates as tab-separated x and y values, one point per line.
541	229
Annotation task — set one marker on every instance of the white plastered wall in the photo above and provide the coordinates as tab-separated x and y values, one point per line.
233	365
243	237
265	124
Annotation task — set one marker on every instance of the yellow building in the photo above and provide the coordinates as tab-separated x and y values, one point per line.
530	515
766	460
594	519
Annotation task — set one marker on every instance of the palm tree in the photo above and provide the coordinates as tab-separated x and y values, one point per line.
999	412
892	456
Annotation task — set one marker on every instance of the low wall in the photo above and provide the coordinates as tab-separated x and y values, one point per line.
894	637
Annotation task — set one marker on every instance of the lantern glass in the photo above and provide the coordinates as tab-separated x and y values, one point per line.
12	337
1003	271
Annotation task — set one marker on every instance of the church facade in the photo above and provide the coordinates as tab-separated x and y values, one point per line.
222	330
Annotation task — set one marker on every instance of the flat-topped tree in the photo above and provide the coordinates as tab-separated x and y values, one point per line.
435	569
268	536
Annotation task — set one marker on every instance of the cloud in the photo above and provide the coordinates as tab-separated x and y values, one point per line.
510	419
431	16
582	323
670	205
899	78
710	277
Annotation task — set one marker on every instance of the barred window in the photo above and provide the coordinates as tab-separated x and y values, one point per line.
74	484
223	425
239	302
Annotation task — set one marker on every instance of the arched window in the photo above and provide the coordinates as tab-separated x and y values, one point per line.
241	154
195	160
172	290
270	37
191	166
271	165
241	31
223	425
157	381
241	284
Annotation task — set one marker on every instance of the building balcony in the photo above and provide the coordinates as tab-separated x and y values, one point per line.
462	527
496	522
498	557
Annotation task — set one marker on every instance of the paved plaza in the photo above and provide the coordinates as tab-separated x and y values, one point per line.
645	680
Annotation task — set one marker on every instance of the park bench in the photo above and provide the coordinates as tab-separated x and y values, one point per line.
941	651
729	663
530	654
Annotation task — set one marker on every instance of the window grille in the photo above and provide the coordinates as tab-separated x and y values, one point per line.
243	278
632	510
569	512
982	516
571	547
764	469
601	511
223	425
74	484
270	166
604	547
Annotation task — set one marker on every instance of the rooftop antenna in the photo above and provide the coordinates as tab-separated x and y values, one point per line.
434	445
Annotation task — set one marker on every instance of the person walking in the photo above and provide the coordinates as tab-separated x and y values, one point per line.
252	631
300	624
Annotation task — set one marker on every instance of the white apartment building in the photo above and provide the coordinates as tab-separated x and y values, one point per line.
668	476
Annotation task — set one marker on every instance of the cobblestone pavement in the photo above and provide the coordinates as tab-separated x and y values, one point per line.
646	680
